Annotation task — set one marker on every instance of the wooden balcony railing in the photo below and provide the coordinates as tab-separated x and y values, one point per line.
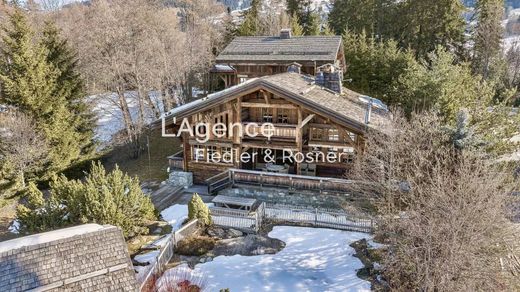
268	179
285	131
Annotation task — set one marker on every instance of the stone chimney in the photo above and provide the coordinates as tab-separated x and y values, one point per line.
285	33
330	77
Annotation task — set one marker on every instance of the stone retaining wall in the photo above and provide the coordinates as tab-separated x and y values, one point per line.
281	196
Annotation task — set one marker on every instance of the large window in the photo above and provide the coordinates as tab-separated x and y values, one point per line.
211	152
333	135
283	116
198	152
317	134
267	115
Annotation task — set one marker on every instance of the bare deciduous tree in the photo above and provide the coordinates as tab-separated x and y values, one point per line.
22	146
443	209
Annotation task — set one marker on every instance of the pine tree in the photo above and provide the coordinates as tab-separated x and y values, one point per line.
30	83
104	198
296	28
487	36
326	30
198	210
251	25
70	86
313	24
422	25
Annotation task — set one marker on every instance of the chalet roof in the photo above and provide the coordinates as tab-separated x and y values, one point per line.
87	257
296	48
349	108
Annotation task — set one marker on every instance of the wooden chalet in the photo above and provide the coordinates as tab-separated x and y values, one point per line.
307	117
250	57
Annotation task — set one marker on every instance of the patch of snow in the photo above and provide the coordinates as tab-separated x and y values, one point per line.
314	259
149	257
175	215
15	227
110	116
50	236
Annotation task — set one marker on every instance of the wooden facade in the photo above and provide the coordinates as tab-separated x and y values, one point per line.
300	125
251	57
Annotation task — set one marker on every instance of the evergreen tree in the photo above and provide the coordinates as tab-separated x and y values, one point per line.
375	66
70	86
198	210
326	30
251	25
296	28
422	25
487	36
313	24
444	85
30	83
103	198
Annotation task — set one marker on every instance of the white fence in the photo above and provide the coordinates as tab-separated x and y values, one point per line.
239	219
252	221
165	254
327	218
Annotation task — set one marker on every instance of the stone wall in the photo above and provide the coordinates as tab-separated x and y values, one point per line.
284	196
180	179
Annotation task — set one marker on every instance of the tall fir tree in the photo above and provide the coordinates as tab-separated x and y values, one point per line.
296	28
422	25
70	86
30	83
313	24
251	25
487	36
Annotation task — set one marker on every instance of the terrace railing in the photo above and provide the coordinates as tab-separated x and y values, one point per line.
290	181
165	254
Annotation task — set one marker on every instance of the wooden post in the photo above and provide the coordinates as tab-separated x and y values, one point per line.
299	138
316	217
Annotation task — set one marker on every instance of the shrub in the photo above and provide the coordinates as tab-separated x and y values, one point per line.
195	246
105	198
198	210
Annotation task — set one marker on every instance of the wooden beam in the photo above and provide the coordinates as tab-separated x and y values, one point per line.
263	105
307	119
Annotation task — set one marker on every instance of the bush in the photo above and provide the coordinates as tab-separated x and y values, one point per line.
198	210
104	198
195	246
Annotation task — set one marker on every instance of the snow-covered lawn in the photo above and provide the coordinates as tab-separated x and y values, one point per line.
314	259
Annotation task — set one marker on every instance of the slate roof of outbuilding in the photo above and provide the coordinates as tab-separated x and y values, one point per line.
296	48
92	258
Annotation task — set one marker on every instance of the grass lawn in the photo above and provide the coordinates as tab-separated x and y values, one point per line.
147	169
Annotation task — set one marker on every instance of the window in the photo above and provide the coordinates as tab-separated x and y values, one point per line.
333	135
267	115
283	116
211	151
227	154
198	152
317	134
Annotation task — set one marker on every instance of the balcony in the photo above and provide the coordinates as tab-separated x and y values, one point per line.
280	130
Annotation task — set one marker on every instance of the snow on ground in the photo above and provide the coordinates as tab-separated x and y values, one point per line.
110	117
314	259
175	215
50	236
14	227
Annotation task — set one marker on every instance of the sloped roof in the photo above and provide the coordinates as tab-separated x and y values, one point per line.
347	108
296	48
88	257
